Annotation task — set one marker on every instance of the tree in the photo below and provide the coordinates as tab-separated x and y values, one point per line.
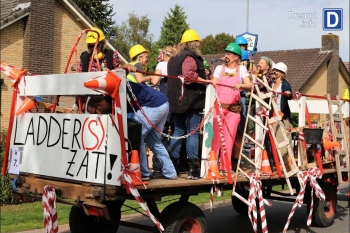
100	12
174	25
131	32
217	44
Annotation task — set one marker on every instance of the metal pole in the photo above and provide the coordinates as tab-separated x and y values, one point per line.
247	15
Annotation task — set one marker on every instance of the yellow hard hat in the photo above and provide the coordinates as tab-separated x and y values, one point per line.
136	50
346	94
190	35
91	36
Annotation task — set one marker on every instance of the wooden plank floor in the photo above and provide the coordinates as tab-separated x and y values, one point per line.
183	182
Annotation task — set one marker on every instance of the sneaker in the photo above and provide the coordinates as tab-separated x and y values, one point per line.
145	178
172	178
157	175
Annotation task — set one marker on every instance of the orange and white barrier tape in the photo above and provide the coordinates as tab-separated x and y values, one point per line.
311	174
222	139
137	196
50	212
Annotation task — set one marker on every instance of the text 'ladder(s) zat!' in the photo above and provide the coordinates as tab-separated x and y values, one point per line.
340	134
264	103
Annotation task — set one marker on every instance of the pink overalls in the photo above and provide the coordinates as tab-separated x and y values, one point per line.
226	96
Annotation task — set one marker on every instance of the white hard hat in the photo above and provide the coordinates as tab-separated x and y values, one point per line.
272	65
281	66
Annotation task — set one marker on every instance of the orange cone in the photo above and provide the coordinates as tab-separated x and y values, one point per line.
25	106
213	167
329	144
265	164
13	73
134	168
109	84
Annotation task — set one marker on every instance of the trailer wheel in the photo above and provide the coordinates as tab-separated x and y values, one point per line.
182	217
239	206
324	211
79	222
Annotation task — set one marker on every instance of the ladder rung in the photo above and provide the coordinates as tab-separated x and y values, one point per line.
291	172
261	101
341	152
265	95
339	136
255	142
258	123
248	159
344	169
282	144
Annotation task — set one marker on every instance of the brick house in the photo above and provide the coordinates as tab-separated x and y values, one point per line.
316	71
38	35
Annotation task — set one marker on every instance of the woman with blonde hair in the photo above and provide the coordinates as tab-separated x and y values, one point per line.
162	68
187	62
235	75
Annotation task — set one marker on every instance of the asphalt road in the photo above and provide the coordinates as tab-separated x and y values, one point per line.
224	219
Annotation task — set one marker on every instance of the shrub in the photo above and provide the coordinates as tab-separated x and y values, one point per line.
3	134
6	196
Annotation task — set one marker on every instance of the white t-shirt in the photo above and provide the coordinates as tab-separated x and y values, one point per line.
163	67
243	72
278	99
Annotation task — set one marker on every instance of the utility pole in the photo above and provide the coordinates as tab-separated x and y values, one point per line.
247	15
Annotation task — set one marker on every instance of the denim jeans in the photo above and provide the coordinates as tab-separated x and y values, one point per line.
184	123
152	139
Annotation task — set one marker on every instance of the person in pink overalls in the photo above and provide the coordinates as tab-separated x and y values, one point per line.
236	76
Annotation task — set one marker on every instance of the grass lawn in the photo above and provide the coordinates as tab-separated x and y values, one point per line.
29	216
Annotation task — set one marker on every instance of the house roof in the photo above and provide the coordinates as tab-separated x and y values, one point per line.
302	63
347	66
11	11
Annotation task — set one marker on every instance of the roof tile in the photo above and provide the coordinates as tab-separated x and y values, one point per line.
6	8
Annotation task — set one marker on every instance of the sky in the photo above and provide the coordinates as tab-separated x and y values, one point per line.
271	19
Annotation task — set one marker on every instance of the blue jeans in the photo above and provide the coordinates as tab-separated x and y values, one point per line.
243	114
184	123
152	139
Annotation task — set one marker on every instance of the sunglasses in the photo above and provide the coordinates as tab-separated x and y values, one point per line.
93	45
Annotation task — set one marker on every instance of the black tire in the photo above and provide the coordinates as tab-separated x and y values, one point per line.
324	211
182	217
79	222
239	206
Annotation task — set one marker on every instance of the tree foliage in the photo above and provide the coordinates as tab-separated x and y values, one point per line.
131	32
174	25
100	12
217	44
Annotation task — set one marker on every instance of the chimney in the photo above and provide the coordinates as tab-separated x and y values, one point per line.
330	43
39	37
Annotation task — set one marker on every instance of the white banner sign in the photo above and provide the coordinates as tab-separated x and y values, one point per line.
69	146
251	41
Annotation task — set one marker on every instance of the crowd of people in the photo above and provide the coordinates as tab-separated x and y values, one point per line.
177	104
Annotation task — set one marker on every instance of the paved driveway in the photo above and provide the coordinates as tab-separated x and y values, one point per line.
224	219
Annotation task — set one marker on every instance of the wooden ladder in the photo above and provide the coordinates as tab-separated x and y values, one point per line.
264	123
340	134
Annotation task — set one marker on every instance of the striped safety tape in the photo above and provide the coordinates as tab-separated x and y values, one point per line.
50	212
309	175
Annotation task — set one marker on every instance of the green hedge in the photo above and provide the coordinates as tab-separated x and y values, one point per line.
5	186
